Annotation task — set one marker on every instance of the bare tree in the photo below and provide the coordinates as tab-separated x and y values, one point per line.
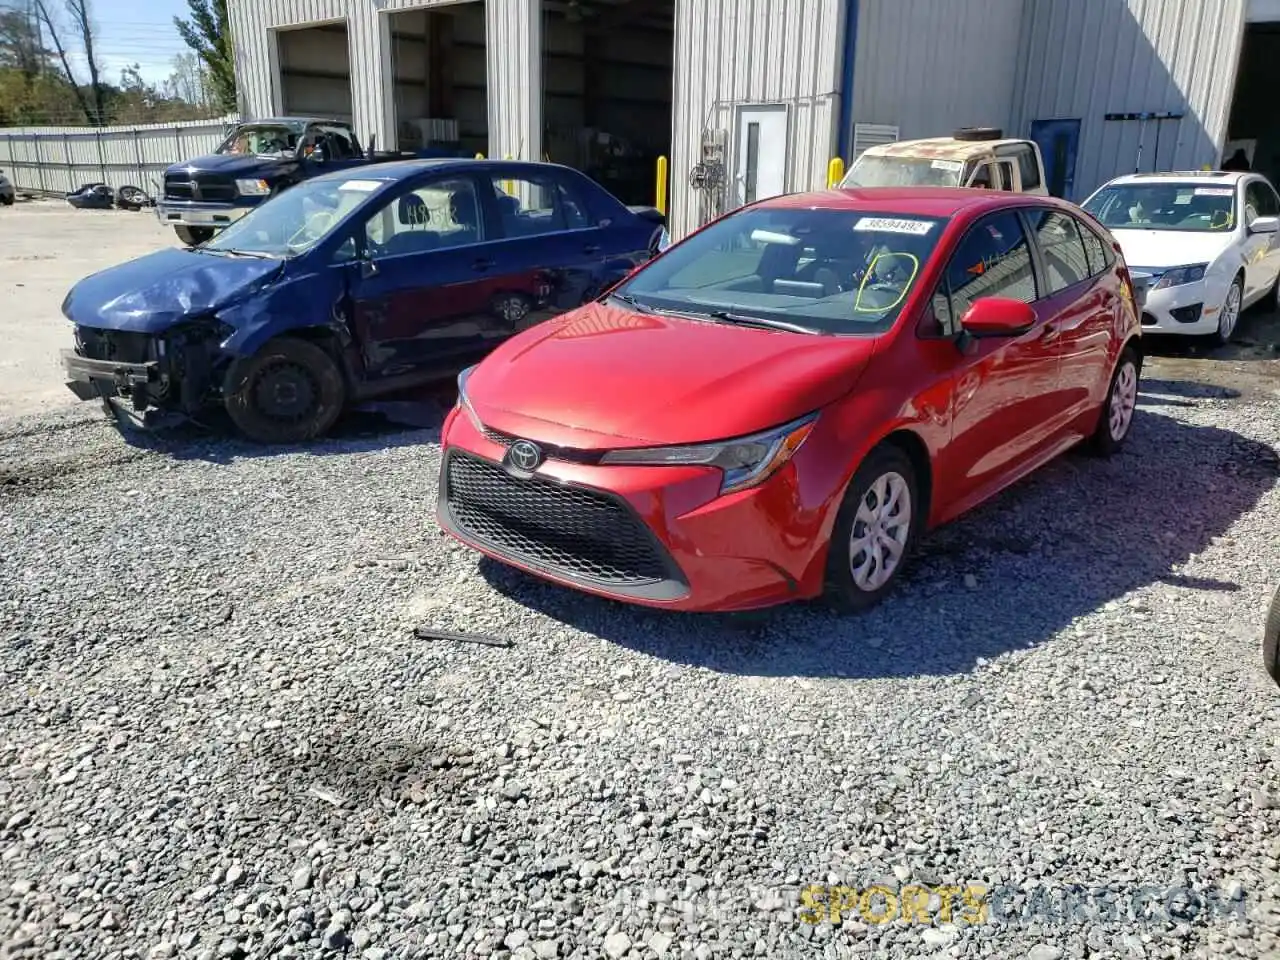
81	24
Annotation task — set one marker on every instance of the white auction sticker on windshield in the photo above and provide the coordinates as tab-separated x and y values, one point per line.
952	165
1214	191
885	225
362	186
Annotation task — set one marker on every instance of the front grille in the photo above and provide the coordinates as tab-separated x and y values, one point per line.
200	186
119	346
550	451
580	533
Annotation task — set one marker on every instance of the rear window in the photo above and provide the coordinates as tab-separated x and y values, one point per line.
829	271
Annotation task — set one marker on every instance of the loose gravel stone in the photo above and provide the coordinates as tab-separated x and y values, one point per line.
352	788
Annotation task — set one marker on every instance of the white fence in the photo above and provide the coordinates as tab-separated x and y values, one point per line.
59	160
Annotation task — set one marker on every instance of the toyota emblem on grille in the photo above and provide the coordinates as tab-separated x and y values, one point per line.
524	456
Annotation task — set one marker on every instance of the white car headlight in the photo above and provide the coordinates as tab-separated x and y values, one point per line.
745	461
464	404
1178	276
253	188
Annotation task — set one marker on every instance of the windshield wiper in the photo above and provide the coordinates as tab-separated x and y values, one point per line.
632	302
763	322
251	254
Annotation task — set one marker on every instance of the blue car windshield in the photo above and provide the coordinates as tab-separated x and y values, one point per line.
296	220
829	271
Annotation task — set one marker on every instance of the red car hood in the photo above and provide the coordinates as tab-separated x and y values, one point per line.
604	377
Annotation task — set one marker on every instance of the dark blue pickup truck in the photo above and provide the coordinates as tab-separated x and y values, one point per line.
257	160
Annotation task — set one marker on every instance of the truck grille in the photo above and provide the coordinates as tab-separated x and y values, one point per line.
120	346
580	533
204	187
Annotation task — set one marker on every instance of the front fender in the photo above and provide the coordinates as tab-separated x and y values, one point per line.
305	300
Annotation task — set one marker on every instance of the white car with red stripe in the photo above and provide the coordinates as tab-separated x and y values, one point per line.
1205	245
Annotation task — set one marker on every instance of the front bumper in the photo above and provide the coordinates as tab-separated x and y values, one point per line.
1191	309
94	379
653	536
178	213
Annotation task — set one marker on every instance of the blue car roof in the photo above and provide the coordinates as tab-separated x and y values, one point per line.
391	170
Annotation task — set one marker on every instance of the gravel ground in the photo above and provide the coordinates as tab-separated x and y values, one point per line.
221	738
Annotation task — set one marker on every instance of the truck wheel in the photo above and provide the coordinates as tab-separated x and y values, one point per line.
287	392
192	236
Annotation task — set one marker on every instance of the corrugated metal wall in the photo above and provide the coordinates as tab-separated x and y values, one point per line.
61	159
732	52
512	36
930	66
1083	60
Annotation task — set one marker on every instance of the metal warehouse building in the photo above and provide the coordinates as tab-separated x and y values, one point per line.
753	97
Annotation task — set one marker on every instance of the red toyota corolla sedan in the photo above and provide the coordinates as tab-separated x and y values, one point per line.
781	404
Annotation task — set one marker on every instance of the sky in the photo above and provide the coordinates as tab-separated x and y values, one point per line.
136	31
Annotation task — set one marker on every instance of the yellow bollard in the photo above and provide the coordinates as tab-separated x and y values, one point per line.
479	156
661	192
835	172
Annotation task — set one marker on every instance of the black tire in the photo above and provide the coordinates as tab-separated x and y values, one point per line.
1217	338
843	592
193	236
1106	439
978	133
290	391
8	199
1271	639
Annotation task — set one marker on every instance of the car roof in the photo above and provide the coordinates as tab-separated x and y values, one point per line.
391	170
917	201
939	148
1182	176
289	121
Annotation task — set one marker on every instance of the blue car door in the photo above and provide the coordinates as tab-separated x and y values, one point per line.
423	293
551	254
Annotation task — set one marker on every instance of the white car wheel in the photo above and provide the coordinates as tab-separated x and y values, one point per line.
1229	315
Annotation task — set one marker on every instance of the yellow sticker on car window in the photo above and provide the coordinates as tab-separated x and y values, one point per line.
888	270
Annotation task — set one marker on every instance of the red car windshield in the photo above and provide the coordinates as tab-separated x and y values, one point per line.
845	272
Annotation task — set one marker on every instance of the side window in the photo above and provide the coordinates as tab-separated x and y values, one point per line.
337	140
1095	250
577	212
1260	201
1065	260
438	216
1028	167
533	205
993	260
983	179
1005	170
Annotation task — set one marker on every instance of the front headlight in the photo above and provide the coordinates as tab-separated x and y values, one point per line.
464	403
253	188
745	461
1178	276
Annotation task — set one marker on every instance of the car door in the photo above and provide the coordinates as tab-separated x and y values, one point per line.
1080	305
423	294
550	253
1004	389
1261	250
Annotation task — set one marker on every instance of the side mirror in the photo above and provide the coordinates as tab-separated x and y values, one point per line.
1265	225
997	317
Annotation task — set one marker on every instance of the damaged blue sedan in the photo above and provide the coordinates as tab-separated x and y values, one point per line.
348	287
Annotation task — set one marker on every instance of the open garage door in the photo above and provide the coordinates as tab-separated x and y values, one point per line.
441	92
315	72
607	82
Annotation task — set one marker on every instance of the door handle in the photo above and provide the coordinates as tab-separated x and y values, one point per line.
482	264
591	248
1050	331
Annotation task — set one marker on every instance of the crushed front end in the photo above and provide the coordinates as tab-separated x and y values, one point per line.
149	376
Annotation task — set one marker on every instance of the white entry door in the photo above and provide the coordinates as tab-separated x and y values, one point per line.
762	152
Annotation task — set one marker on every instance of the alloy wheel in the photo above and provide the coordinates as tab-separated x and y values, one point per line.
1230	313
1124	398
880	531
